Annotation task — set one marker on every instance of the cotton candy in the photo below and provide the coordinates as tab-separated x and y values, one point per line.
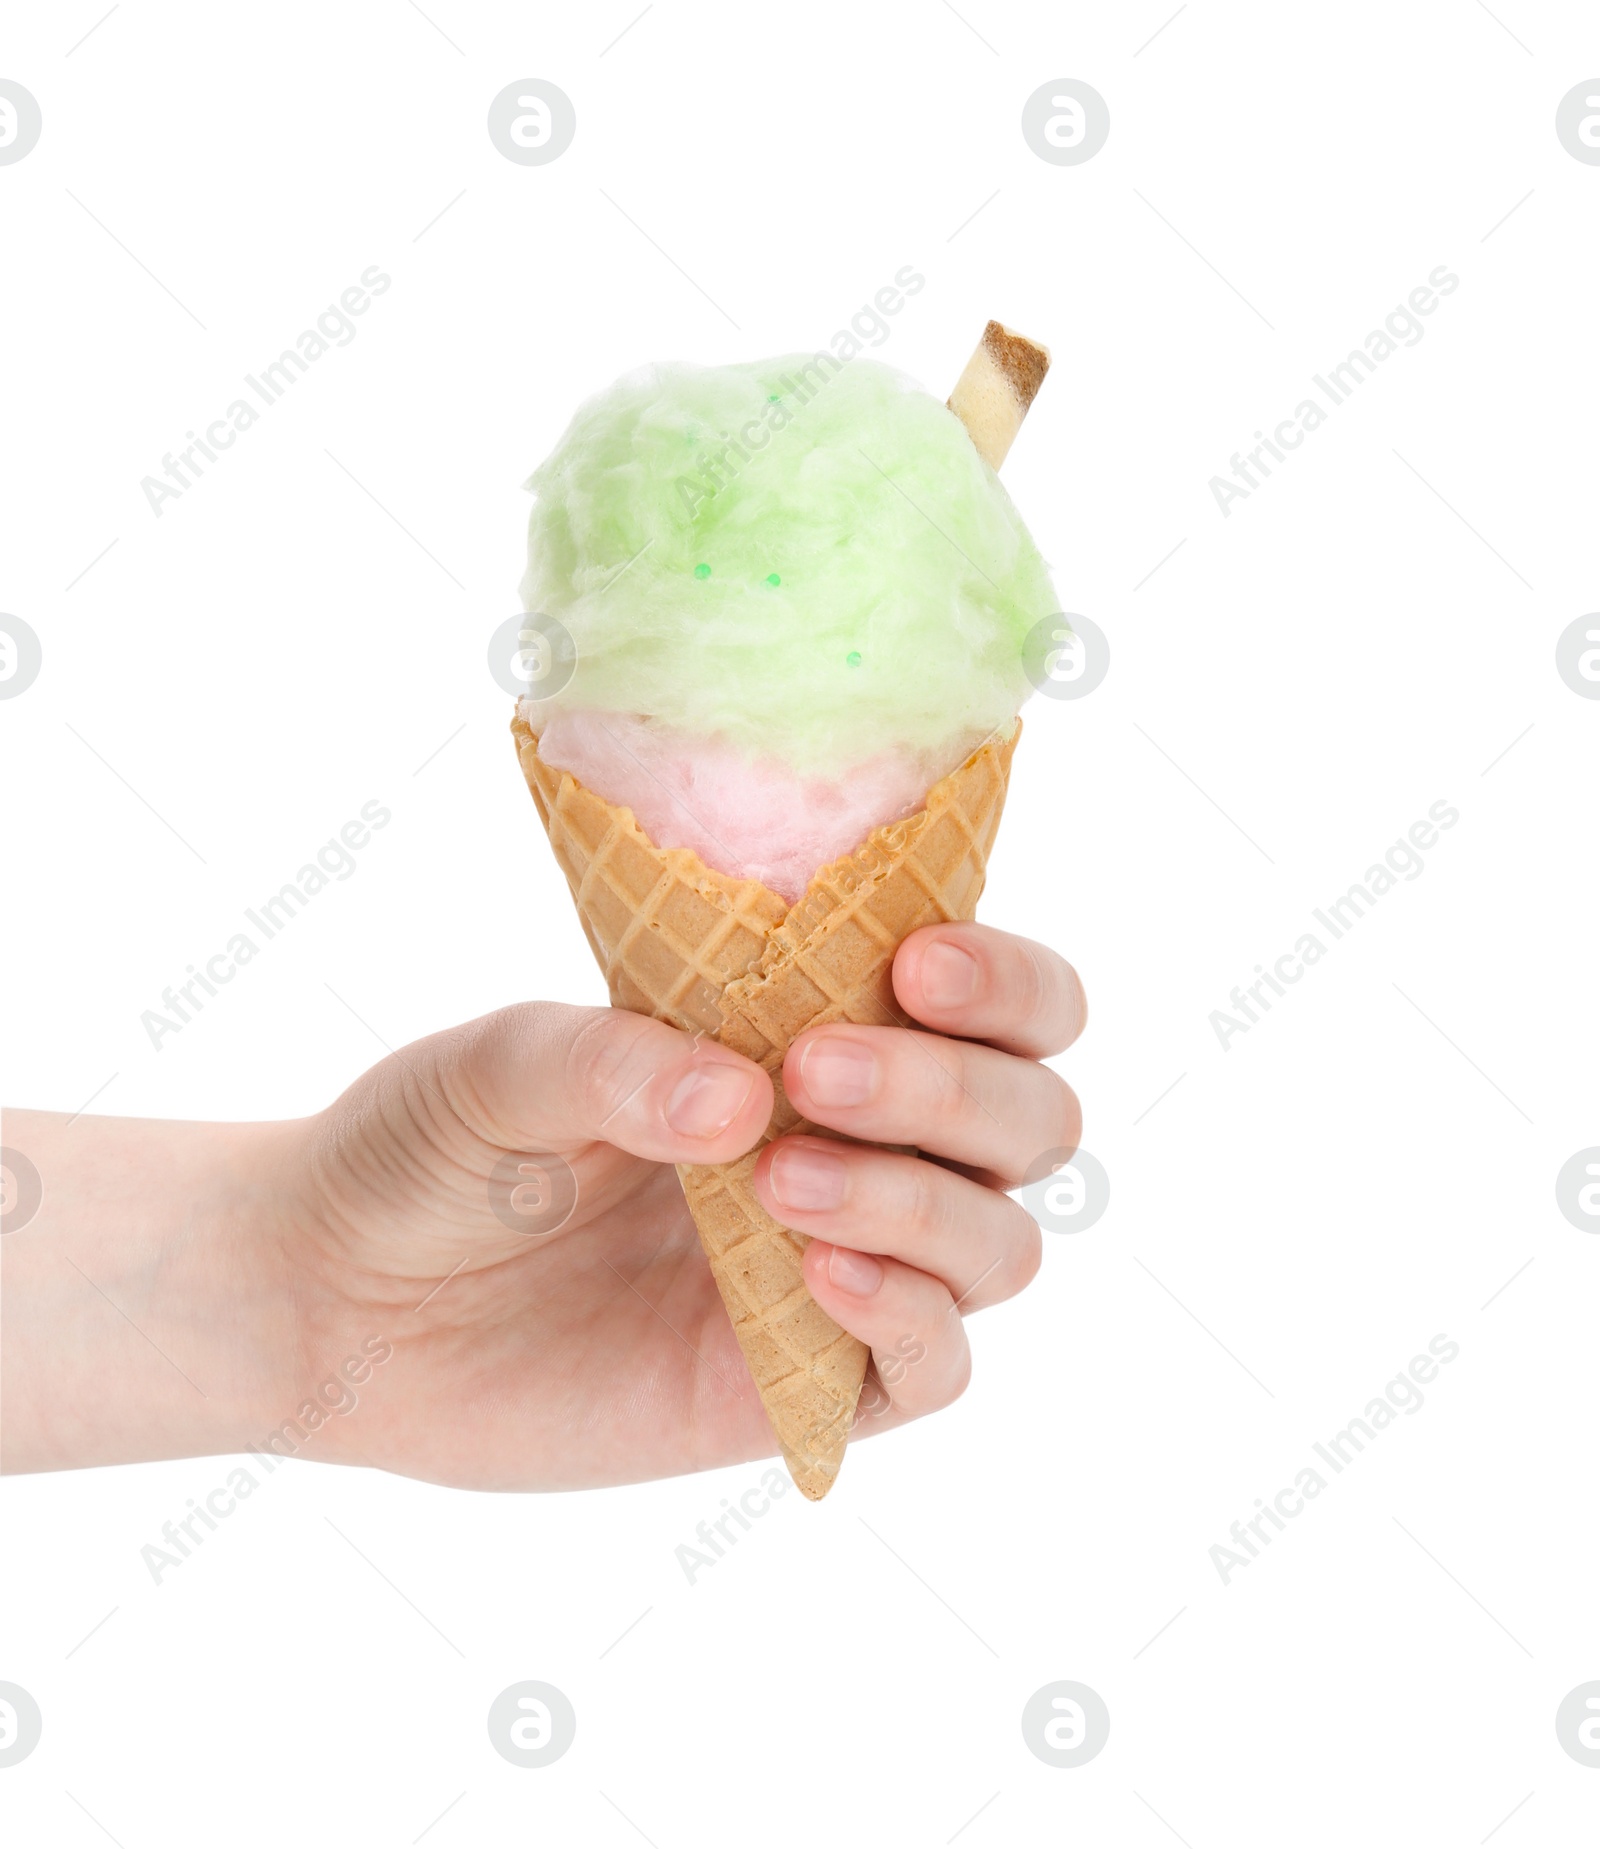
754	819
860	581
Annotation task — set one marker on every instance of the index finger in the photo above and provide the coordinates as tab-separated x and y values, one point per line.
976	983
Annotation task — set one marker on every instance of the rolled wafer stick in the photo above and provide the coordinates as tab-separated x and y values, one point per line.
999	383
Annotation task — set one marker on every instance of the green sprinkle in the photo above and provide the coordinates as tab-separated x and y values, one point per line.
772	397
853	659
702	571
773	578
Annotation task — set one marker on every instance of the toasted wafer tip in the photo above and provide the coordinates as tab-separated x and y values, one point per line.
997	386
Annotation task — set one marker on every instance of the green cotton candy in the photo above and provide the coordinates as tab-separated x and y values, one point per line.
805	558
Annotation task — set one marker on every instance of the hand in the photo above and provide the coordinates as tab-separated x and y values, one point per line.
389	1305
600	1351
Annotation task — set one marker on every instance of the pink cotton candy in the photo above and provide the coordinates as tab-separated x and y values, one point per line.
752	820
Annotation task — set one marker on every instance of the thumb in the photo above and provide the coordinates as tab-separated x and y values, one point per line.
546	1073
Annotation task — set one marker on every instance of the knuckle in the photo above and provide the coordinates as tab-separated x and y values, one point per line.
600	1058
481	1067
1027	981
506	1039
948	1094
925	1198
1050	1118
1059	998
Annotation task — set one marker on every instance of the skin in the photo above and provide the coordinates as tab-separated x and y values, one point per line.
186	1289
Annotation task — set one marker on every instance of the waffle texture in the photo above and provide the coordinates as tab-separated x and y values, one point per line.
726	957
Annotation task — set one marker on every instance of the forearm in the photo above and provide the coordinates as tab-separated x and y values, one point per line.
145	1311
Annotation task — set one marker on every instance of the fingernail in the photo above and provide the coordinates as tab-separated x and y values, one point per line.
708	1098
859	1273
809	1179
949	975
837	1071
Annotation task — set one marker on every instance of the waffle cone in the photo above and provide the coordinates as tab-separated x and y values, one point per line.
731	959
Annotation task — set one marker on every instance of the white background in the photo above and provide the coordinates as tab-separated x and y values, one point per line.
1293	1220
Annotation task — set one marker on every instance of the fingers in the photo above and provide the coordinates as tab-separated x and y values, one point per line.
543	1073
900	1248
982	1105
967	1103
907	1319
983	984
981	1245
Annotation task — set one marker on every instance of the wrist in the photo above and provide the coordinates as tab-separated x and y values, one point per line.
147	1312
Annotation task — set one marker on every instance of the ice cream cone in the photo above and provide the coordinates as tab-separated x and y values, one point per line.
726	957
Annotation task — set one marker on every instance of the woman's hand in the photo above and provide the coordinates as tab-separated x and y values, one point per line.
477	1266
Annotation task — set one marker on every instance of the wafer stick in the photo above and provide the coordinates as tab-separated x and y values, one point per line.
999	383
